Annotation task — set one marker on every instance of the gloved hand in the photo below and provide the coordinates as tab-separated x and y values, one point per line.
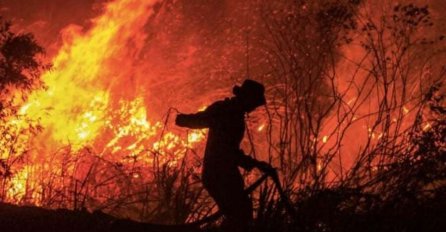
265	167
180	120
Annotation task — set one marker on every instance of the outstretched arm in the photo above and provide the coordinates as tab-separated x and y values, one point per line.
194	121
198	120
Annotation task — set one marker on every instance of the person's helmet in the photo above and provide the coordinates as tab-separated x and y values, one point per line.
251	92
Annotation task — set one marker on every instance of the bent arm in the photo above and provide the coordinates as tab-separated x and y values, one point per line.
246	161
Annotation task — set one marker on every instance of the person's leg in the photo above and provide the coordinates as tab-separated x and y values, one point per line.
234	203
239	215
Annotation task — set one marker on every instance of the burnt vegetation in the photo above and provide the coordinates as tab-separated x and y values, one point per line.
396	180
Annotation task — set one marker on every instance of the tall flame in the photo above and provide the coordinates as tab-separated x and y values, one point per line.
75	104
79	109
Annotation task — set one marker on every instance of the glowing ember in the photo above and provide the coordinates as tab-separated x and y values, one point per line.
261	127
325	139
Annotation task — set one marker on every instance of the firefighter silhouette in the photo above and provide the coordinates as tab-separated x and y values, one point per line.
223	156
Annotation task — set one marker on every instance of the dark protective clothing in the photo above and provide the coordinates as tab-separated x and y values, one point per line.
221	177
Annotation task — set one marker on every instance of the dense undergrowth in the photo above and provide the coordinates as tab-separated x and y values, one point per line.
391	100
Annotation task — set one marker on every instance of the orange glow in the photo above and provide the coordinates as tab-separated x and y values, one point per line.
405	110
77	97
196	136
97	103
325	139
261	127
19	182
78	108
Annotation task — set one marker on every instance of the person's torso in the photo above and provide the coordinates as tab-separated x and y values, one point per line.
224	137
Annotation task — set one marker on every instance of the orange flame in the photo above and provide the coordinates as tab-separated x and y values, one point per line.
77	97
78	107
